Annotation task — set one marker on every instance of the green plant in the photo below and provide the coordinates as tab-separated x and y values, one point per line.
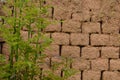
26	55
23	55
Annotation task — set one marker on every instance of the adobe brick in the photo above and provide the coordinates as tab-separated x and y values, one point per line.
42	38
86	15
53	27
89	27
117	7
24	35
47	35
57	61
71	51
99	39
77	17
60	38
95	16
115	39
74	6
45	64
33	27
109	75
76	76
57	65
71	26
115	64
6	50
81	64
79	39
91	75
91	4
110	28
1	39
57	2
61	12
99	64
110	52
90	52
52	50
76	2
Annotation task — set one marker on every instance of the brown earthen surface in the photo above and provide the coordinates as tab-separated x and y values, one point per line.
88	31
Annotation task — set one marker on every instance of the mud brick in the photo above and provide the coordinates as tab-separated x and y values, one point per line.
24	35
76	2
95	16
115	39
109	75
1	39
90	52
100	64
52	50
117	7
81	64
115	64
110	28
71	26
6	50
91	75
61	12
44	64
71	51
33	27
47	35
77	16
99	39
57	65
53	27
2	12
91	4
86	15
60	38
57	59
42	39
76	76
56	2
89	27
79	39
110	52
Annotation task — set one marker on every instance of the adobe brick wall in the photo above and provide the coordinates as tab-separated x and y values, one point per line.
88	31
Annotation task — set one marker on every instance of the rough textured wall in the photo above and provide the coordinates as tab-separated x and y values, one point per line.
88	31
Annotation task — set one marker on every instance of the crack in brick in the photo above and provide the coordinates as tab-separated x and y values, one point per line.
90	39
61	24
62	73
52	12
71	15
44	2
80	51
60	50
101	23
100	52
41	73
101	76
90	65
1	47
82	75
71	66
